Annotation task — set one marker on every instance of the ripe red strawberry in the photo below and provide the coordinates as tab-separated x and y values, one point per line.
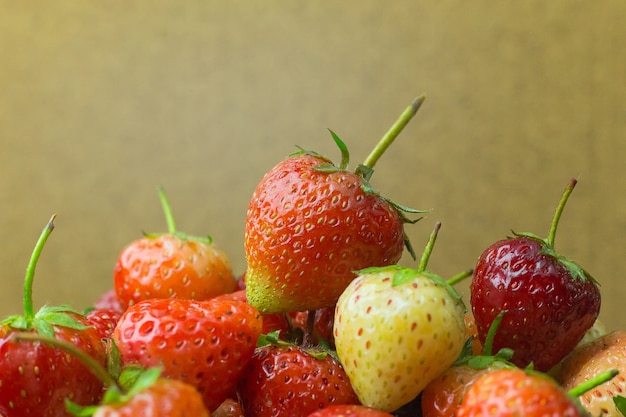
349	411
549	301
310	224
36	379
204	343
283	379
514	392
587	361
103	320
228	408
171	264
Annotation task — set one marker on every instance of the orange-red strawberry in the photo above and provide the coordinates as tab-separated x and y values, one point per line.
286	380
204	343
311	223
35	378
349	411
103	320
171	264
587	361
514	392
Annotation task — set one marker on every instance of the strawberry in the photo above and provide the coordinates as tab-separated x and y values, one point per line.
311	223
322	326
204	343
588	360
103	320
228	408
171	264
548	300
108	301
514	392
284	379
349	411
35	378
396	329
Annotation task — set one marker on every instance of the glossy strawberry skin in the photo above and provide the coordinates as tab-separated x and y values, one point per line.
35	379
204	343
285	381
166	266
349	411
547	310
513	393
307	231
586	361
165	398
104	321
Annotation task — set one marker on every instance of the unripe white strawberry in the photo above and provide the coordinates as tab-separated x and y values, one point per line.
395	330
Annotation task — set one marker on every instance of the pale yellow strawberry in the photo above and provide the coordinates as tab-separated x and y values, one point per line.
395	330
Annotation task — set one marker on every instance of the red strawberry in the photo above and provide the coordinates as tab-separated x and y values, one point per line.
349	411
103	320
171	264
35	378
514	392
108	301
283	379
322	327
587	361
229	408
204	343
549	301
310	224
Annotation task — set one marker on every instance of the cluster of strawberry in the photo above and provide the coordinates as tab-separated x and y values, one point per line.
324	322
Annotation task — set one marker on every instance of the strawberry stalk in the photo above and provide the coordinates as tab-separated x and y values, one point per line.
559	211
429	248
29	310
167	210
366	168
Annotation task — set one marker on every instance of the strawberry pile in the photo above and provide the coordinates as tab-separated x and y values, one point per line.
324	321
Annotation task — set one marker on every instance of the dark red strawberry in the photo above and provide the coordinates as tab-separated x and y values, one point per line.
204	343
322	327
171	264
311	223
283	379
548	301
35	378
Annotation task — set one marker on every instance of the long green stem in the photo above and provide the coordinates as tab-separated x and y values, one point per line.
29	310
591	383
559	211
393	132
459	277
429	248
169	217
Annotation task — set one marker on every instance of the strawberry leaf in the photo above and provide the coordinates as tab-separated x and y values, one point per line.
620	404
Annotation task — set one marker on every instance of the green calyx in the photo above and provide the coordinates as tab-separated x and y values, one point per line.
44	320
547	245
171	224
366	169
273	339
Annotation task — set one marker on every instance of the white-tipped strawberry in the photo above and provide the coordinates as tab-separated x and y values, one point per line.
396	329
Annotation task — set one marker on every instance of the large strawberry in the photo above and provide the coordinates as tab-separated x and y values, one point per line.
549	302
587	361
396	329
284	379
311	223
35	378
172	264
204	343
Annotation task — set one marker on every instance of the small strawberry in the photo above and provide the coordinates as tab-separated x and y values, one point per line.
322	327
35	378
228	408
586	361
349	411
204	343
549	301
171	264
311	223
108	301
514	392
103	320
283	379
396	329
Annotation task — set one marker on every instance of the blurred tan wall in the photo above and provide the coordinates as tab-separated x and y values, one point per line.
101	102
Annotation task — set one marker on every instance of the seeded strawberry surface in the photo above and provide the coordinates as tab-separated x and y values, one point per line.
307	231
547	310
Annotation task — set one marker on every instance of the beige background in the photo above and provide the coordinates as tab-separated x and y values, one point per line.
102	101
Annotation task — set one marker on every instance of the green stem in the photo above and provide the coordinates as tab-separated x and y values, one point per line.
169	217
459	277
559	211
29	310
591	383
93	365
429	248
393	132
491	334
